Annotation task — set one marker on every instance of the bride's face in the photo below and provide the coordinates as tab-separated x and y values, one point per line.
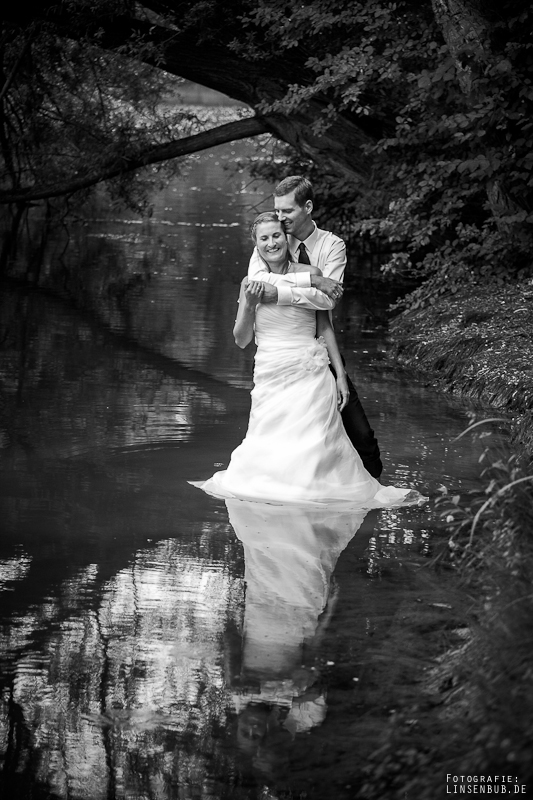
271	242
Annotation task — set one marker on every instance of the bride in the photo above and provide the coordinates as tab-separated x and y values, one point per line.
296	449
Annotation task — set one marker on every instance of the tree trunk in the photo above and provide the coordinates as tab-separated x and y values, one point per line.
467	34
337	149
10	237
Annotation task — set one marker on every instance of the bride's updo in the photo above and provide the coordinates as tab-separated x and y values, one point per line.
266	216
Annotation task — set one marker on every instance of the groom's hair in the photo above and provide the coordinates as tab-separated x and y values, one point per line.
302	188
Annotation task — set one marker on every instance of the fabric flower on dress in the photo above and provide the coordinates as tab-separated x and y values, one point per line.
316	356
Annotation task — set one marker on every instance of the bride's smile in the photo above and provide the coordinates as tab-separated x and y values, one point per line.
272	245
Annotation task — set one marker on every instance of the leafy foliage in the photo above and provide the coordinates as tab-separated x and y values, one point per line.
72	106
450	134
437	104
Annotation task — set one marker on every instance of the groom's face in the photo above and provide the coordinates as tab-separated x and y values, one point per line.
295	218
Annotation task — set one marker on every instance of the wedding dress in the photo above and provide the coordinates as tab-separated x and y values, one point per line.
296	449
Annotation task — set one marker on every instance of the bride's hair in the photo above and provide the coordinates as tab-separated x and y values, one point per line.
266	216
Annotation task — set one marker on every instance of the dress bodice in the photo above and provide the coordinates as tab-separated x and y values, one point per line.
275	323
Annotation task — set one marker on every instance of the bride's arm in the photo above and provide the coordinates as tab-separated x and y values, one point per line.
325	328
249	296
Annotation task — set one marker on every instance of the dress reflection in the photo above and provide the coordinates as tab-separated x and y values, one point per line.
290	555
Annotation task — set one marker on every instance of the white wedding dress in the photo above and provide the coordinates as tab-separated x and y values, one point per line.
296	449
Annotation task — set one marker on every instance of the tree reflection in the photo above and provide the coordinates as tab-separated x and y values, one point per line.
123	693
134	687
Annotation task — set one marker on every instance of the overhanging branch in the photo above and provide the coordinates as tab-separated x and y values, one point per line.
340	148
230	132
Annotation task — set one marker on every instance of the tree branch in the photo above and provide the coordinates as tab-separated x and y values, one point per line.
18	62
230	132
339	149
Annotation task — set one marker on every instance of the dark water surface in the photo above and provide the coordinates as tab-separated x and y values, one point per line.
158	643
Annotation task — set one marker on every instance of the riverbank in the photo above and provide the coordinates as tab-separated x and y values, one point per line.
475	710
477	344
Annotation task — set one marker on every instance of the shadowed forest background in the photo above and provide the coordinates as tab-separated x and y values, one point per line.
414	121
414	117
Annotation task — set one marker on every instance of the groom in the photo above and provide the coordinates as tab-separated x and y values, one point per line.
308	244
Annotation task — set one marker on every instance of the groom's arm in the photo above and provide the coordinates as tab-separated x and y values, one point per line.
301	289
332	258
334	262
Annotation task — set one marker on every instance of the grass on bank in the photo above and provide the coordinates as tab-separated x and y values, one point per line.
492	545
477	345
482	720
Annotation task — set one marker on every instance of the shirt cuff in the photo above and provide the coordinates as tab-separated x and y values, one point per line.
303	280
284	295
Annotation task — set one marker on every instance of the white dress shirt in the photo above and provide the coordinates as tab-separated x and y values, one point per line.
325	250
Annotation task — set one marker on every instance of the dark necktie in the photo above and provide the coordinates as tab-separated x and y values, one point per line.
303	258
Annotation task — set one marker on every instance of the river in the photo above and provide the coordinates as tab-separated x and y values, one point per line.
151	646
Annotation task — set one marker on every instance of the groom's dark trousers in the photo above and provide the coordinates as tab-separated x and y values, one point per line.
360	433
353	416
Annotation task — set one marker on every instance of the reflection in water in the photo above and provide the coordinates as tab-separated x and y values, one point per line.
156	278
66	391
139	657
123	687
290	555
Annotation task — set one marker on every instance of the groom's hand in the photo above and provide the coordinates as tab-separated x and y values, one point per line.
331	288
270	294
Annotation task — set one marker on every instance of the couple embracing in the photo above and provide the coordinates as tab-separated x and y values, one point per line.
308	439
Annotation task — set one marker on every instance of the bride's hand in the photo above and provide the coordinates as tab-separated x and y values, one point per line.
253	292
343	393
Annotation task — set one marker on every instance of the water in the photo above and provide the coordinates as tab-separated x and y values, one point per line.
151	647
